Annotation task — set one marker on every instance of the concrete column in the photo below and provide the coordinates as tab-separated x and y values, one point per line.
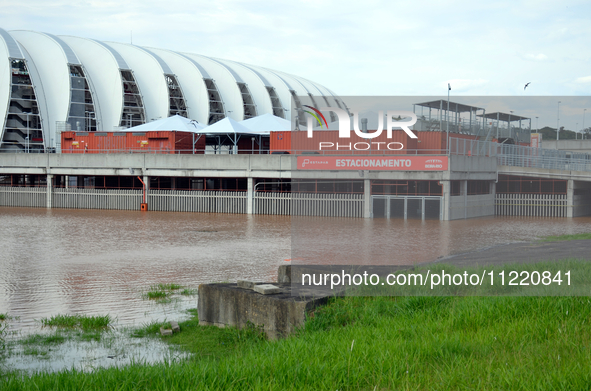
570	199
465	194
446	192
249	195
493	191
67	181
146	180
367	198
49	190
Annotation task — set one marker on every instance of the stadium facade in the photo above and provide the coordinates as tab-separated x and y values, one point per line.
50	84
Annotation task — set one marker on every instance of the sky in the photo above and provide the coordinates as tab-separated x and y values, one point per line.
371	48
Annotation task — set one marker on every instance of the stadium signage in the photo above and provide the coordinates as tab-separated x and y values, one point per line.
384	163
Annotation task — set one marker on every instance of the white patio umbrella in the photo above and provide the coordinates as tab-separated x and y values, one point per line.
232	129
267	123
174	123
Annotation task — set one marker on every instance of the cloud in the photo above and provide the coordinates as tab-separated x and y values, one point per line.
585	79
374	48
536	57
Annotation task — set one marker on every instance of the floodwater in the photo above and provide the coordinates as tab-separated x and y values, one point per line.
102	262
410	242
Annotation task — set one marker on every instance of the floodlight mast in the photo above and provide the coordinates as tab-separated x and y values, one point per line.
558	123
447	119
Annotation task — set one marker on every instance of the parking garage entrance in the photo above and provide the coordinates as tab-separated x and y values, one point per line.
407	207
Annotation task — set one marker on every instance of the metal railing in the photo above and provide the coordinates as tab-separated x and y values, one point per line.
466	147
506	154
522	156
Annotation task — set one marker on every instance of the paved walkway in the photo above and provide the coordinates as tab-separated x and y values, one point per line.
529	252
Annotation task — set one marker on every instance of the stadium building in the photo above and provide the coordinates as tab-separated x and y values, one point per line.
51	84
76	96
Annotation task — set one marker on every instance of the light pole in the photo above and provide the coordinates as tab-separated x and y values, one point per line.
510	135
537	128
576	127
583	128
447	118
558	123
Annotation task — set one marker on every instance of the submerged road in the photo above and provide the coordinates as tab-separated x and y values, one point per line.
527	252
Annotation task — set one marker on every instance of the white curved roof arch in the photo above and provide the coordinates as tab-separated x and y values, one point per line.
92	85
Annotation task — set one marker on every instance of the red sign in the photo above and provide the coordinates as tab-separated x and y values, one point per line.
385	163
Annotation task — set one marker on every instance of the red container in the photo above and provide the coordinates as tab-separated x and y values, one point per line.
280	142
168	142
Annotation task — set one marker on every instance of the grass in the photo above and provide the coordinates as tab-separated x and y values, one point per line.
169	287
149	329
40	345
3	317
35	351
44	340
3	331
157	294
582	236
367	343
88	336
162	292
552	278
83	322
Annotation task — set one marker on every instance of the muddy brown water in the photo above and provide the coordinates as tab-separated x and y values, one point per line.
100	262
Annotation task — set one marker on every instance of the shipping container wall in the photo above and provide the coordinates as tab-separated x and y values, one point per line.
169	142
280	142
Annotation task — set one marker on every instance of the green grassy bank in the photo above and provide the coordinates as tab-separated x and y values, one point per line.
367	343
582	236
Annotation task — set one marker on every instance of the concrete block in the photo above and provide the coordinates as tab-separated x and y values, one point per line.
267	289
284	274
164	331
175	327
279	314
246	284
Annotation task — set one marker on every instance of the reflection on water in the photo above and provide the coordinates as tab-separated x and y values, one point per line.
100	262
400	242
114	348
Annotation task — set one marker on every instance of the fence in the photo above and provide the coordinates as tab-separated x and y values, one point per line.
520	156
268	203
327	205
96	199
309	204
534	205
197	201
461	146
32	197
271	203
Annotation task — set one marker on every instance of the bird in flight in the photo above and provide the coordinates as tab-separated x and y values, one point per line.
526	85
